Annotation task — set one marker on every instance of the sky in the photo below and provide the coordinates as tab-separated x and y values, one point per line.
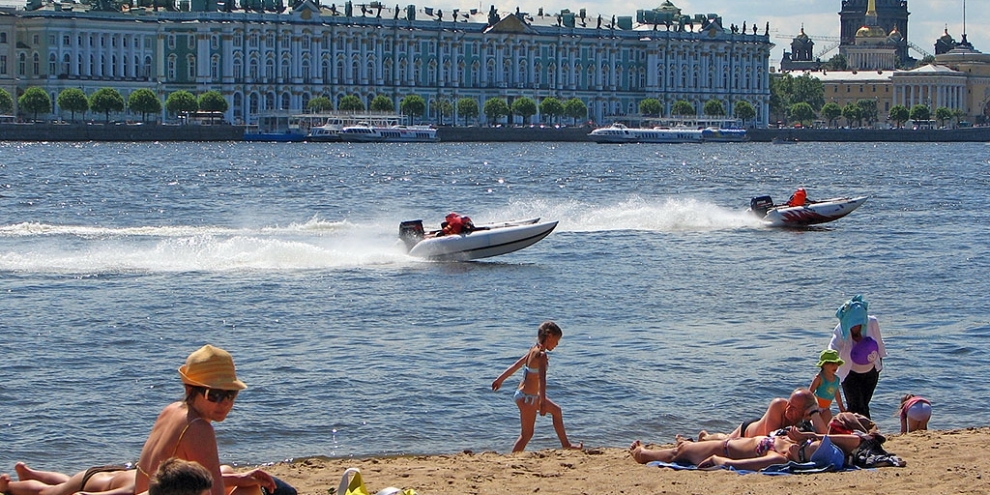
820	18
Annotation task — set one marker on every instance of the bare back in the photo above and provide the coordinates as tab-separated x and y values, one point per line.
179	432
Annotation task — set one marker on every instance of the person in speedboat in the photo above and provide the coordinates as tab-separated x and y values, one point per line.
799	198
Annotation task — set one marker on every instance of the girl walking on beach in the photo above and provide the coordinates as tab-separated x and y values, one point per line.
826	385
531	396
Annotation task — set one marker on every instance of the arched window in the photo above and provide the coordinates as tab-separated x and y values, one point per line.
66	64
284	73
191	66
52	64
170	68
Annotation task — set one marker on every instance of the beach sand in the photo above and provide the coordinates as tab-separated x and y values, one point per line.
938	462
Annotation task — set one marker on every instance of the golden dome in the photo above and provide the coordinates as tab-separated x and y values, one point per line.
871	32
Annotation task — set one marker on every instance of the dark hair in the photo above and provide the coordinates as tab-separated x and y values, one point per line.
192	391
178	477
547	329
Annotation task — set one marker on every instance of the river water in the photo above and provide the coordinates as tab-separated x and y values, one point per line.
680	312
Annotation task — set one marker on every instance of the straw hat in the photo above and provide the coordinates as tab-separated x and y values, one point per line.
210	367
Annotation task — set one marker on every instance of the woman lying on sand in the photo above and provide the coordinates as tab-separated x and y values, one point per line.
753	453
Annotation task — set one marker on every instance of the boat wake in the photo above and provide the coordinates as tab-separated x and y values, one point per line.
316	244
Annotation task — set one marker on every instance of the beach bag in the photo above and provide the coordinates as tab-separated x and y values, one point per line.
354	485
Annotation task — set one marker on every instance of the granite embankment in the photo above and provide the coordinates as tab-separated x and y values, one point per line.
112	132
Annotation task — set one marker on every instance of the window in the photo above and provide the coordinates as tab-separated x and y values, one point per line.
170	68
191	41
171	42
66	41
191	66
35	40
22	65
215	42
3	37
3	65
215	68
36	64
52	64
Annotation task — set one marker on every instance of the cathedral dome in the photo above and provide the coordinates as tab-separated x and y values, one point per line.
871	32
895	36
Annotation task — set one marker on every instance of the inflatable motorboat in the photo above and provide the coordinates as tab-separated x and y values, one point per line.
813	212
482	242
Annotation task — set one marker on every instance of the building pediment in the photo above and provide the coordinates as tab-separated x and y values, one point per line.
511	24
306	10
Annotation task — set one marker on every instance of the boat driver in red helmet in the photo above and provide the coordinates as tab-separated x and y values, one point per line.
457	224
799	198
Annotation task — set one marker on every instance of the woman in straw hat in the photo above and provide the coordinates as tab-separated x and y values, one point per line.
184	429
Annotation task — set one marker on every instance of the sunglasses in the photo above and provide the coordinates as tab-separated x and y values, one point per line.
217	395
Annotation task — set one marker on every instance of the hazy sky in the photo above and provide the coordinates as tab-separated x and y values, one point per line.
820	18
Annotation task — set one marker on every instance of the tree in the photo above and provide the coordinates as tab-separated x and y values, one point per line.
144	102
213	101
780	96
650	107
6	102
927	60
350	103
830	112
682	108
34	101
852	112
551	108
467	108
382	103
73	100
106	100
802	112
444	109
525	107
320	104
869	108
809	90
920	112
575	109
838	62
413	105
900	114
942	114
181	101
744	110
714	108
496	108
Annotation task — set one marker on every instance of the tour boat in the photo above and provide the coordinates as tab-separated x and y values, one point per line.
619	133
368	133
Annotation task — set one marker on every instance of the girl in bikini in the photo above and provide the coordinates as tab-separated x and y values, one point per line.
826	384
531	396
184	429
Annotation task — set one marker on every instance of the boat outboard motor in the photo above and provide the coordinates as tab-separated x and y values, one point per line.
411	232
760	205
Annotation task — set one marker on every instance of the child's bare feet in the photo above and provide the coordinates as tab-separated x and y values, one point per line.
575	446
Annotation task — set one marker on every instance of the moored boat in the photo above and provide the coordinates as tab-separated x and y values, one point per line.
618	133
718	135
369	133
811	213
483	242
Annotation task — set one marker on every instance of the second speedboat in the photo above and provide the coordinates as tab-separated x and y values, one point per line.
811	213
483	242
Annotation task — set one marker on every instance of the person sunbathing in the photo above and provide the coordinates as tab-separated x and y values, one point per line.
781	413
752	453
105	480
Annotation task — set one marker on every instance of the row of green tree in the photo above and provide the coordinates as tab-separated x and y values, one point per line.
36	101
802	99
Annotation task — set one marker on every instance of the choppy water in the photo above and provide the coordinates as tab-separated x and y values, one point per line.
679	311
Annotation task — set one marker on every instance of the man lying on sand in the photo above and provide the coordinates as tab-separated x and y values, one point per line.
781	413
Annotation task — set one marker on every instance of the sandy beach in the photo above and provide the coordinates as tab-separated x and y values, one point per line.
938	462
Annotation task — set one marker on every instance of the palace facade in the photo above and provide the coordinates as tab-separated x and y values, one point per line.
263	60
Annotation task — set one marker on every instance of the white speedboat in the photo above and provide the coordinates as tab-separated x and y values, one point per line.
813	212
618	133
367	133
486	241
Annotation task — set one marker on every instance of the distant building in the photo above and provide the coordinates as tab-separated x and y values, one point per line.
264	56
802	55
891	15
